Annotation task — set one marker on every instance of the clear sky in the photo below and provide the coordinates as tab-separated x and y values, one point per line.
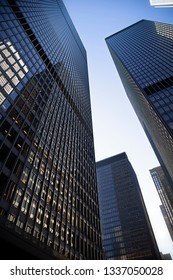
116	126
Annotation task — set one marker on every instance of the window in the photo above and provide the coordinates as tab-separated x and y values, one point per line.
36	162
19	223
25	203
42	168
55	198
49	197
44	192
47	174
4	152
52	221
57	229
63	232
5	127
50	243
46	219
65	193
25	149
73	201
61	188
38	186
68	236
56	246
59	207
31	180
64	210
28	229
25	128
68	215
46	151
17	198
41	145
18	169
12	135
52	177
69	198
43	238
72	219
13	114
33	209
31	135
36	233
6	104
57	184
24	177
19	143
9	191
39	214
72	239
31	156
11	218
80	224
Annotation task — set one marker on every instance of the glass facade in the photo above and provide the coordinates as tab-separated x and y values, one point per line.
166	196
48	190
125	226
142	54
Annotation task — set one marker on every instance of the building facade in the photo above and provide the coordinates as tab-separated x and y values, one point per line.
166	196
125	226
48	189
142	54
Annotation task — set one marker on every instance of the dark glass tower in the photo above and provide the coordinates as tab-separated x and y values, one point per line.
166	196
125	225
48	191
142	54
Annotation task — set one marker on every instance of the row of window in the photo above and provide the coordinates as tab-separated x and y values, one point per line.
54	225
65	239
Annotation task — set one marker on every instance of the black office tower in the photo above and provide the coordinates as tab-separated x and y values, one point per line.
125	225
48	191
166	196
142	54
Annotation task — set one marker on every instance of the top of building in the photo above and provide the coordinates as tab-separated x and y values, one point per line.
138	22
157	168
126	28
111	160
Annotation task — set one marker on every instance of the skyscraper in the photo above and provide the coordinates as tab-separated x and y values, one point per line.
166	196
142	54
48	191
125	226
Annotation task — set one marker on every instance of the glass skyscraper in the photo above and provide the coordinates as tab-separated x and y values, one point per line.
142	54
166	196
48	191
125	226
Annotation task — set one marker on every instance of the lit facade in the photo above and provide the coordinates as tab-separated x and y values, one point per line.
125	226
48	194
142	54
166	196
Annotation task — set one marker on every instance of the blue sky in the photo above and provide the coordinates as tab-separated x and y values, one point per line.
116	127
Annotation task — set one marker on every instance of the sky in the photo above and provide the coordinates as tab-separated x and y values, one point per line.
115	124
